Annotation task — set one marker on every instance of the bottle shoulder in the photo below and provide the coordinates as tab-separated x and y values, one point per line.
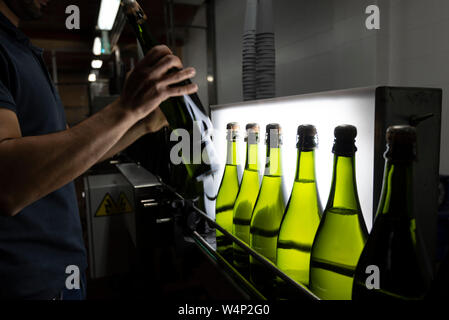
341	236
303	208
229	185
392	235
250	179
230	176
268	210
301	220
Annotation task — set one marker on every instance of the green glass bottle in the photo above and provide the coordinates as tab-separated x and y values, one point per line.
268	211
247	196
394	264
342	233
227	193
186	113
303	213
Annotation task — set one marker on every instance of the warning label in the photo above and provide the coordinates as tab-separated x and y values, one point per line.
109	207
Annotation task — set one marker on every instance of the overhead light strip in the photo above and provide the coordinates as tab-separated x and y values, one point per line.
97	46
97	64
108	12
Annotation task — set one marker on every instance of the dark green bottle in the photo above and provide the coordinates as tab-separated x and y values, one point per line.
393	264
303	212
227	193
247	196
184	112
342	233
268	211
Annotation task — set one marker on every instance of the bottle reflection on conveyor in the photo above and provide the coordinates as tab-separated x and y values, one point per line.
184	114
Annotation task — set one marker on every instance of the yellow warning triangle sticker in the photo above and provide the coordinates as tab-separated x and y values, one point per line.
123	204
107	207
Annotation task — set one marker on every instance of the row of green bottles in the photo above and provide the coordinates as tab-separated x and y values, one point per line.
391	262
324	254
286	239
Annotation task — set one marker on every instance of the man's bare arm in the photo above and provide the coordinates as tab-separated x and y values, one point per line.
32	167
152	123
155	121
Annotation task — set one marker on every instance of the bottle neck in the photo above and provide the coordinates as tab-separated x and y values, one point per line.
231	154
305	166
273	165
252	157
397	190
139	22
344	188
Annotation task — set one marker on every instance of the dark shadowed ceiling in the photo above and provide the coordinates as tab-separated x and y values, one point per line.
73	48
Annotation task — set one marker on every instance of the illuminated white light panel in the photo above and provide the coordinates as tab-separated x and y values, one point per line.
96	49
108	12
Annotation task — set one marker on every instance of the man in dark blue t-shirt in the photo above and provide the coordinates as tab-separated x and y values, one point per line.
40	232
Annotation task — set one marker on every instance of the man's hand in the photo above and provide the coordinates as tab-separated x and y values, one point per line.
149	83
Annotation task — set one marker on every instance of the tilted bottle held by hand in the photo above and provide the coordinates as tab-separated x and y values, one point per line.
303	212
184	112
227	193
269	209
342	233
247	196
394	264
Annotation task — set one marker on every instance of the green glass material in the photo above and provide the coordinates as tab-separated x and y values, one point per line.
300	222
340	238
267	217
394	243
185	112
244	205
224	205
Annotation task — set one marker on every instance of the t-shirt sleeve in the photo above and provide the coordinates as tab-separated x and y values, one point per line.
6	98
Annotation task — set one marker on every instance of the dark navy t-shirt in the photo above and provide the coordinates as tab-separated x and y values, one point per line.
37	244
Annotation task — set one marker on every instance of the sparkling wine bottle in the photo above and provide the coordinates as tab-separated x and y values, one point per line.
394	264
184	114
342	233
227	193
247	196
303	212
268	211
